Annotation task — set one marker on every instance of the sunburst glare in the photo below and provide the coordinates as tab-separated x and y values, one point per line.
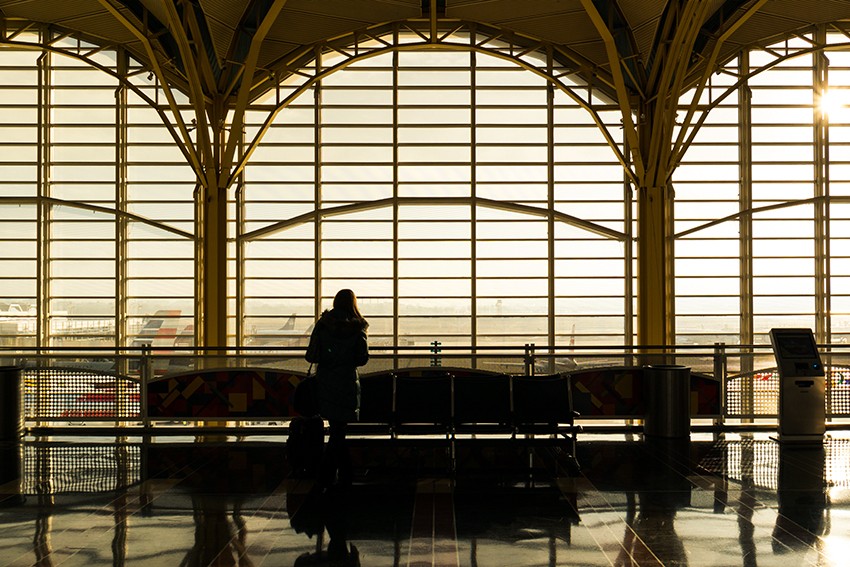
834	103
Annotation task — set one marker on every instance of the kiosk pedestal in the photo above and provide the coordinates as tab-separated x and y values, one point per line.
802	386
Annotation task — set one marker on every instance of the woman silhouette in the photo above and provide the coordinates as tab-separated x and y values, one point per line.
338	345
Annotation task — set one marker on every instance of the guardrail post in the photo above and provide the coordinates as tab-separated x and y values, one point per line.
435	349
629	356
145	373
721	369
40	392
529	359
829	374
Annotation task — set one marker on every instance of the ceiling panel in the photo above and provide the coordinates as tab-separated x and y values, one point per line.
643	18
300	27
809	11
371	11
273	52
155	7
499	11
102	25
594	51
763	26
226	12
639	12
50	12
222	36
563	28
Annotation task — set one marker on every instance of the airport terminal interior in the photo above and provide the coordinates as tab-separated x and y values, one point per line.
602	247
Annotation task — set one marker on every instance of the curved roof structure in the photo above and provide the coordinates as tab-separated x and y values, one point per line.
640	55
266	37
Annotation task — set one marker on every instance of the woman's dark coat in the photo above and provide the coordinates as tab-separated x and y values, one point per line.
338	346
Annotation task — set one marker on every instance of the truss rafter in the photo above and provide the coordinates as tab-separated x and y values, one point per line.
362	45
487	37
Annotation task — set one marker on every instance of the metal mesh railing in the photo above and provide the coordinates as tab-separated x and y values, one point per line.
63	388
74	394
63	469
756	394
759	460
838	388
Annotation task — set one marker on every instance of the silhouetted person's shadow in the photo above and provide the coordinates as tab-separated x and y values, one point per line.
323	510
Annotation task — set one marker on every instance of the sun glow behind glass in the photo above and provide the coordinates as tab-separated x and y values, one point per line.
834	104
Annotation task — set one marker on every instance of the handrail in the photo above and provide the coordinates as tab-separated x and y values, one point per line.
746	374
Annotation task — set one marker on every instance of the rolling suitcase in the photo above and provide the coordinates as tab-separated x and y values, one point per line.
304	445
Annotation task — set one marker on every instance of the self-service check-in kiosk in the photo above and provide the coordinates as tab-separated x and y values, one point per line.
802	412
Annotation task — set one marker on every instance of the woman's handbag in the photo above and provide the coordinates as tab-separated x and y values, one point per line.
306	397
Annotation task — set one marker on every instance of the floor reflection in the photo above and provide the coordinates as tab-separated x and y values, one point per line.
11	472
801	496
318	512
663	488
219	479
740	501
220	534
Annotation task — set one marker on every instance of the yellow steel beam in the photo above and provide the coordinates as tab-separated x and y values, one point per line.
655	280
432	20
212	273
664	96
243	95
215	284
654	273
707	71
559	216
156	69
623	97
207	73
655	311
212	284
197	96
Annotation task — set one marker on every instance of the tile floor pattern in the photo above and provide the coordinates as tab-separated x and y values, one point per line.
740	500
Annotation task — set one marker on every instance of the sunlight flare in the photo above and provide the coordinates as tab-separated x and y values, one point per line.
834	102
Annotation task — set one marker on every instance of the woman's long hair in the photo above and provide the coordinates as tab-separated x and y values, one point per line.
345	304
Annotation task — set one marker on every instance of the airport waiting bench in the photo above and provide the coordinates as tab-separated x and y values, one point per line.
449	401
460	406
458	402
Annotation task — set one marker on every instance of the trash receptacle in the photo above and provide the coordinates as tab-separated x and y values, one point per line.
11	414
667	393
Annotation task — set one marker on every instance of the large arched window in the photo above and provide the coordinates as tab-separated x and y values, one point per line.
761	200
465	199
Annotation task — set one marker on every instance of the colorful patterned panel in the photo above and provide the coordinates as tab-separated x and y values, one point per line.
705	396
224	394
618	392
608	392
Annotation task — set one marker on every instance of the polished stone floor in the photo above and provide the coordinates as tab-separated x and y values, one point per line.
729	500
